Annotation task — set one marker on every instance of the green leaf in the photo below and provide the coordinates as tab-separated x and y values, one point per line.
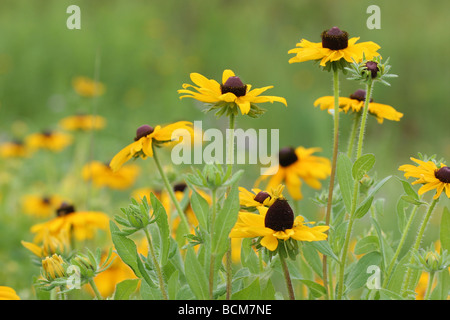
312	258
363	208
377	187
366	245
385	248
173	285
445	230
251	292
402	205
163	226
127	251
200	207
386	294
225	220
358	276
409	189
195	275
324	248
249	258
125	288
362	165
344	176
316	289
412	200
442	289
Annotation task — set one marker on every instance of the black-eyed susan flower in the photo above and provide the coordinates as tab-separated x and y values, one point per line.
274	224
87	87
80	225
83	122
41	206
429	175
14	149
51	244
101	175
7	293
48	140
335	46
231	92
257	197
356	102
297	165
146	136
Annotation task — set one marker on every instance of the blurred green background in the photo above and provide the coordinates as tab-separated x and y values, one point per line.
143	51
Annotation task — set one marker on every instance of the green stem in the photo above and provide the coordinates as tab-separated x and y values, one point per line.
333	170
230	162
400	246
430	285
156	264
287	277
170	191
351	221
213	256
407	281
352	138
95	289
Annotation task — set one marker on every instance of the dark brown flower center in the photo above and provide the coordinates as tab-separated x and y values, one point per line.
334	39
180	187
372	66
287	156
443	174
360	95
279	216
235	86
143	131
47	133
65	209
261	196
45	200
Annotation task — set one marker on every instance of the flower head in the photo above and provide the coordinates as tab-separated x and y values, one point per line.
102	175
429	175
14	149
231	92
78	224
297	165
258	197
41	206
48	140
146	136
335	46
54	267
51	244
355	103
86	87
276	223
83	122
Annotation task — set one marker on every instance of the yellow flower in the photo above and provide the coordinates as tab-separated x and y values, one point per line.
53	267
145	137
7	293
102	175
276	223
428	174
78	224
356	102
48	140
107	280
335	46
83	122
14	149
232	90
86	87
50	245
39	206
294	166
258	197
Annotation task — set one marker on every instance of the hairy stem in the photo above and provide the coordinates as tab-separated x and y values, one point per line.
287	277
333	170
351	221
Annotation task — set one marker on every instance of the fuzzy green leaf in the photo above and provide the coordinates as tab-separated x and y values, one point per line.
362	165
344	176
195	275
125	288
445	230
163	226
